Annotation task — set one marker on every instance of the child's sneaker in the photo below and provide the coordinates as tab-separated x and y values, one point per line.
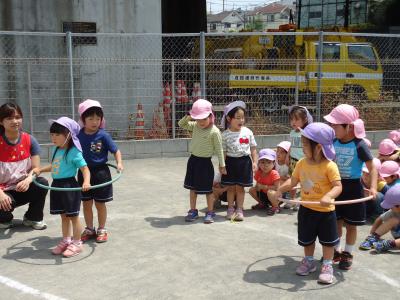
326	275
382	246
230	212
192	215
101	235
273	210
60	248
88	234
346	260
72	250
368	243
239	215
306	267
259	206
336	256
209	218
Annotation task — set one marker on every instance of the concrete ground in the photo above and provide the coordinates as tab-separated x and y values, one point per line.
153	254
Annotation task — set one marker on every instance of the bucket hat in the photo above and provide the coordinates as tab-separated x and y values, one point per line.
392	197
73	128
347	114
394	135
285	145
267	154
84	106
377	163
230	107
201	109
387	147
323	134
389	168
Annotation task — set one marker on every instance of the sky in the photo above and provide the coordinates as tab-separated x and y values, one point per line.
216	5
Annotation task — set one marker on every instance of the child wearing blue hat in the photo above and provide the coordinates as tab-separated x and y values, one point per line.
319	178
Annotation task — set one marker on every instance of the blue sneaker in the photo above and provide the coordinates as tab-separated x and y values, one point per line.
192	215
382	246
209	218
368	244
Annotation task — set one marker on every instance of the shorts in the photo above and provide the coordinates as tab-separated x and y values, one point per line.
353	214
98	175
263	197
292	164
199	175
313	224
239	171
68	202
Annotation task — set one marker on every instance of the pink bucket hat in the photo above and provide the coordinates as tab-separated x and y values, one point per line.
377	163
84	106
387	147
201	109
285	145
347	114
389	168
395	136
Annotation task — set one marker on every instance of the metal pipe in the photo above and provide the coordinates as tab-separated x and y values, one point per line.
203	64
71	72
28	70
319	74
173	99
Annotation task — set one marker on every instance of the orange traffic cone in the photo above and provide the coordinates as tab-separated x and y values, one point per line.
196	93
167	106
139	123
185	98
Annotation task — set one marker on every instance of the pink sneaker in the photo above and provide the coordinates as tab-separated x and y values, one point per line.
306	267
60	248
326	275
239	215
72	250
230	213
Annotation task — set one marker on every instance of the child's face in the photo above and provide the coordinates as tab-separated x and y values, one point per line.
341	131
296	122
307	148
204	123
390	179
59	139
265	165
396	209
12	123
92	123
281	155
237	121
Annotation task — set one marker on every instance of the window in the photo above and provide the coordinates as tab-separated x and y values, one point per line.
315	14
227	25
330	51
363	55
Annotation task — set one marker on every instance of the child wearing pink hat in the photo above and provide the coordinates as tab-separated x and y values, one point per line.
282	166
96	143
240	152
388	150
320	182
206	141
351	153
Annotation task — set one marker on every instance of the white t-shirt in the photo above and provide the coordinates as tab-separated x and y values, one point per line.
283	170
238	143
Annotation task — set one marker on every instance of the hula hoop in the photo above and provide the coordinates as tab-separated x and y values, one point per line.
334	203
119	174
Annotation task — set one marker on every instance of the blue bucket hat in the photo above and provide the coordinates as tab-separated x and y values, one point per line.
323	134
73	128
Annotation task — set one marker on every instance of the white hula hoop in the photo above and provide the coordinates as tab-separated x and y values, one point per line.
296	201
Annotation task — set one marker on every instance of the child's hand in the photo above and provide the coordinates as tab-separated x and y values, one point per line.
120	167
222	170
373	193
326	200
85	186
255	167
36	171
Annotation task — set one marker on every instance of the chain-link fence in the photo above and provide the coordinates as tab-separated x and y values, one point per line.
147	82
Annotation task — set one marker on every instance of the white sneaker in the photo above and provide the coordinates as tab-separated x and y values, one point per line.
38	225
6	225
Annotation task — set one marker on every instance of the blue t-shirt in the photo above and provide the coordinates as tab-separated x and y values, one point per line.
350	157
66	166
96	146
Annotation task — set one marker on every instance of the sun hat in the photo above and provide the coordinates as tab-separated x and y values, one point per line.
84	106
387	147
347	114
389	168
230	107
285	145
267	154
323	134
377	163
394	135
392	197
73	128
201	109
309	116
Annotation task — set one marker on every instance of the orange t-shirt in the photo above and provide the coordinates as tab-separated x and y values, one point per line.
266	179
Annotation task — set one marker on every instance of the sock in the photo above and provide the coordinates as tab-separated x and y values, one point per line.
77	242
327	262
67	240
392	244
337	247
309	258
348	248
377	236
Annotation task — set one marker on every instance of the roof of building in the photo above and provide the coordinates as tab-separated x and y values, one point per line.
272	8
221	16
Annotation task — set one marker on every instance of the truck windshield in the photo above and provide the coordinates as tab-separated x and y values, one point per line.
363	55
330	51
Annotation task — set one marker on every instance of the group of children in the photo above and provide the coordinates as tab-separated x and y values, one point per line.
332	163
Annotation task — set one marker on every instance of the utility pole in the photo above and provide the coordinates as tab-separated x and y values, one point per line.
223	5
298	14
346	14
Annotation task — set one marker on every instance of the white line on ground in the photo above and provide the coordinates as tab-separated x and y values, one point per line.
27	290
383	277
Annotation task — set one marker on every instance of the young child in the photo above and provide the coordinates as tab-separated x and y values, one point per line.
267	182
320	182
388	221
390	171
240	152
66	160
351	153
206	140
220	192
388	150
282	166
394	135
96	143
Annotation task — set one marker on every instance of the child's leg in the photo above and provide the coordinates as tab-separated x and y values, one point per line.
101	213
309	250
327	252
76	228
88	213
340	233
239	196
387	226
210	201
193	198
66	226
272	198
351	235
231	196
253	193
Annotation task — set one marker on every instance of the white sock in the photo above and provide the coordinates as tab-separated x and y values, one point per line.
337	247
348	248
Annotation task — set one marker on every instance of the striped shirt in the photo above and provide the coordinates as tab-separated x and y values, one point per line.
205	142
238	143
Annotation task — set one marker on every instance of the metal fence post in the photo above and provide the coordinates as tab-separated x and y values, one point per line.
28	70
319	73
173	99
203	64
71	71
296	96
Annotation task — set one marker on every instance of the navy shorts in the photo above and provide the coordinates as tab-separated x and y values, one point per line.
263	197
353	214
239	171
199	175
68	202
98	175
313	224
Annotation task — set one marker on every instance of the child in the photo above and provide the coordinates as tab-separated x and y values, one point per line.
240	152
96	143
388	221
394	135
320	182
282	166
267	182
388	150
219	191
206	140
66	159
390	171
351	153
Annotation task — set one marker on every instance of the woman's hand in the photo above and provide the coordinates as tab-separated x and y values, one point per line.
5	201
23	185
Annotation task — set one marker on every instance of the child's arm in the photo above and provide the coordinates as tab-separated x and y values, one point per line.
86	178
287	186
373	173
254	158
330	196
118	159
217	144
378	222
187	123
39	170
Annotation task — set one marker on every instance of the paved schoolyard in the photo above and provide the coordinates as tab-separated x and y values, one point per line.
153	254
